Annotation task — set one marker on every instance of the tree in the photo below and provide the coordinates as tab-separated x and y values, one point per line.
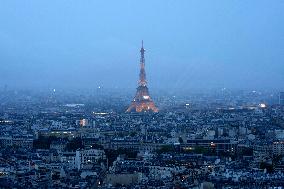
166	149
133	134
74	144
43	142
267	166
200	150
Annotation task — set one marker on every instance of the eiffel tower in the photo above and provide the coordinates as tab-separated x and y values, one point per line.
142	101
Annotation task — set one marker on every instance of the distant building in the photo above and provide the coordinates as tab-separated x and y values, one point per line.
278	148
279	134
123	178
218	145
24	141
84	122
89	156
281	98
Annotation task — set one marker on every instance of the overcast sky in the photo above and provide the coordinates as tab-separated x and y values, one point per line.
189	44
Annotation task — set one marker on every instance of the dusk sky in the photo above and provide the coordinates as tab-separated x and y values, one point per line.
189	44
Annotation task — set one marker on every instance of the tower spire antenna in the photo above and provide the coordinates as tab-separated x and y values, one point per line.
142	44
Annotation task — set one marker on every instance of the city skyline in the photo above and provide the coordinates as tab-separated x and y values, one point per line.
200	104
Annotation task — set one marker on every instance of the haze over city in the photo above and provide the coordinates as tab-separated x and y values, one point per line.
189	44
164	94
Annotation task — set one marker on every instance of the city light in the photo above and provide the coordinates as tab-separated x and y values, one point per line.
146	97
262	105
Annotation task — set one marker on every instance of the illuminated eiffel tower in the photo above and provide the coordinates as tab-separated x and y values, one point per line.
142	101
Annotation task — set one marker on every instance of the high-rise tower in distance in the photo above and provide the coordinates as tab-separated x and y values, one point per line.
142	101
281	98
